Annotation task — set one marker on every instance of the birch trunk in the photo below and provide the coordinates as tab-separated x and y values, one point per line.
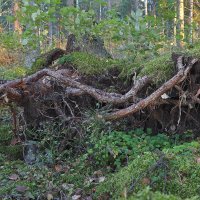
191	21
180	25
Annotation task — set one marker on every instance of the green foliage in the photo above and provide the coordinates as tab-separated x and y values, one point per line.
5	134
48	140
37	65
118	148
193	51
79	21
6	150
182	173
13	72
10	41
12	152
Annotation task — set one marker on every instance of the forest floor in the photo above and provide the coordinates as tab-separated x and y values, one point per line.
97	159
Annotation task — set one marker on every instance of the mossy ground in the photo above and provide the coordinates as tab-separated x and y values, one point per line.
160	68
182	174
176	177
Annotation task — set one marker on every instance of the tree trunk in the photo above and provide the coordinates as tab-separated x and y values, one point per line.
109	5
191	2
16	9
146	7
77	3
180	25
175	24
50	34
70	3
135	7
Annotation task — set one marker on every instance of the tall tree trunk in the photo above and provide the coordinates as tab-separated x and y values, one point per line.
16	9
77	3
109	5
180	25
146	7
100	12
191	2
135	7
175	24
50	34
70	3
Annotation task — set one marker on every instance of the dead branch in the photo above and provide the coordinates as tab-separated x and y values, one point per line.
182	73
23	81
100	95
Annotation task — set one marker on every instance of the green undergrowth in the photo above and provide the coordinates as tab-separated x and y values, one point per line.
178	174
176	177
117	148
11	152
9	73
114	164
193	51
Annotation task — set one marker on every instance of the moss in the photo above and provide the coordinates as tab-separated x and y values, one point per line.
5	135
148	194
194	51
183	173
12	152
87	63
118	182
160	68
37	65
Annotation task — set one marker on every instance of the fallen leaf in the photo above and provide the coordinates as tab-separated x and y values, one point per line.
79	191
15	141
198	160
58	168
49	196
91	180
101	179
21	188
66	186
14	177
98	173
88	198
76	197
146	181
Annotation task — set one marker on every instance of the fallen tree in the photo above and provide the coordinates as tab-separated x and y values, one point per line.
63	94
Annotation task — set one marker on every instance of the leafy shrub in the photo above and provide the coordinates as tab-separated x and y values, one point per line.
118	148
12	72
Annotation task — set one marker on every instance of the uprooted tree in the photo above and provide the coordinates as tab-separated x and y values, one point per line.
65	94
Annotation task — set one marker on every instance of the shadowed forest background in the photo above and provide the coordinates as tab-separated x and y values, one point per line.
100	99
